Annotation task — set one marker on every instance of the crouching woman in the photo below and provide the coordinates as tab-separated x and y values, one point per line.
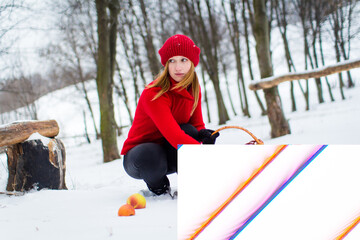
168	114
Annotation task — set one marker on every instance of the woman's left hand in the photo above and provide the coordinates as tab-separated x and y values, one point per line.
206	137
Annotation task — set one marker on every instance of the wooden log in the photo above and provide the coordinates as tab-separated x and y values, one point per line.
20	131
32	164
316	73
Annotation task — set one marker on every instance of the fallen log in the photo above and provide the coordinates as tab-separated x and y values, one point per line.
20	131
315	73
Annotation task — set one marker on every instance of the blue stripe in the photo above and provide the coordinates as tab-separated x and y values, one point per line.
277	191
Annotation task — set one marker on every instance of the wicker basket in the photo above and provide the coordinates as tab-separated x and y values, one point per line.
256	141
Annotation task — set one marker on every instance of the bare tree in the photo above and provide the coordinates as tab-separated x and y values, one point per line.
321	13
234	32
341	20
205	94
165	21
9	20
22	92
146	33
279	125
303	11
246	19
7	9
75	56
281	10
131	48
122	92
107	27
204	29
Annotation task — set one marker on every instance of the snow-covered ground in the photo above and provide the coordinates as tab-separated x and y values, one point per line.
88	210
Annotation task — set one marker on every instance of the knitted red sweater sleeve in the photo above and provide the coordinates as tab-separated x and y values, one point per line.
159	111
197	119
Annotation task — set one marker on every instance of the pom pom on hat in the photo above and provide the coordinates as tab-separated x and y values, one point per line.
179	45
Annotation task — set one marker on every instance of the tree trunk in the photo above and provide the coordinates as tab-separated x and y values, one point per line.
279	125
336	30
340	75
228	88
307	55
317	80
223	115
234	34
32	164
261	105
131	56
208	40
123	93
210	46
348	18
84	90
86	96
235	40
281	17
148	40
104	81
323	63
315	31
85	128
138	63
205	95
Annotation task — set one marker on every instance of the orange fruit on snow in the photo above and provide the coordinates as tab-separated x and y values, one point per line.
126	210
137	201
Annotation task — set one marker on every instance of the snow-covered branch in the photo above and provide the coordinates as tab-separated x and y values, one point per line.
315	73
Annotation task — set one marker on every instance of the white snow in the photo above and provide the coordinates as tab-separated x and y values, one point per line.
88	210
44	140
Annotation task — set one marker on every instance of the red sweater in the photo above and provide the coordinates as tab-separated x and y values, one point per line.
158	120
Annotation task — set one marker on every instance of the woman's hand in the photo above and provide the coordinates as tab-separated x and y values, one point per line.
206	137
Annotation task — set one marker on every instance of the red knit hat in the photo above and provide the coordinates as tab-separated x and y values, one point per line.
179	45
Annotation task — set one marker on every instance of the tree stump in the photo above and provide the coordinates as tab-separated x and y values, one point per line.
34	165
38	163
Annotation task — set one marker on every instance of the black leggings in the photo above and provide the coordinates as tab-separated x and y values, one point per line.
152	162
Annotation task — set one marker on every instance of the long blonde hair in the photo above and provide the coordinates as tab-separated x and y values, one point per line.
190	80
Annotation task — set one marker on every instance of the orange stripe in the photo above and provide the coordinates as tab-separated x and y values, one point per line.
348	229
237	191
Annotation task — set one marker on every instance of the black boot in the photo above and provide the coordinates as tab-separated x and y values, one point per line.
162	188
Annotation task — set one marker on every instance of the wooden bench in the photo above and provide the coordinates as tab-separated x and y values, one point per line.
38	162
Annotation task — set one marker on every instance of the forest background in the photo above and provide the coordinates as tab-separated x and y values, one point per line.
109	49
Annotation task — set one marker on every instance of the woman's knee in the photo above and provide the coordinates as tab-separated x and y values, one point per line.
145	157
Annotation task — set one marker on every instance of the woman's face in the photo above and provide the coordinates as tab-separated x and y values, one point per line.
179	66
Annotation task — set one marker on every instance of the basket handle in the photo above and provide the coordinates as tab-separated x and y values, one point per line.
255	141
